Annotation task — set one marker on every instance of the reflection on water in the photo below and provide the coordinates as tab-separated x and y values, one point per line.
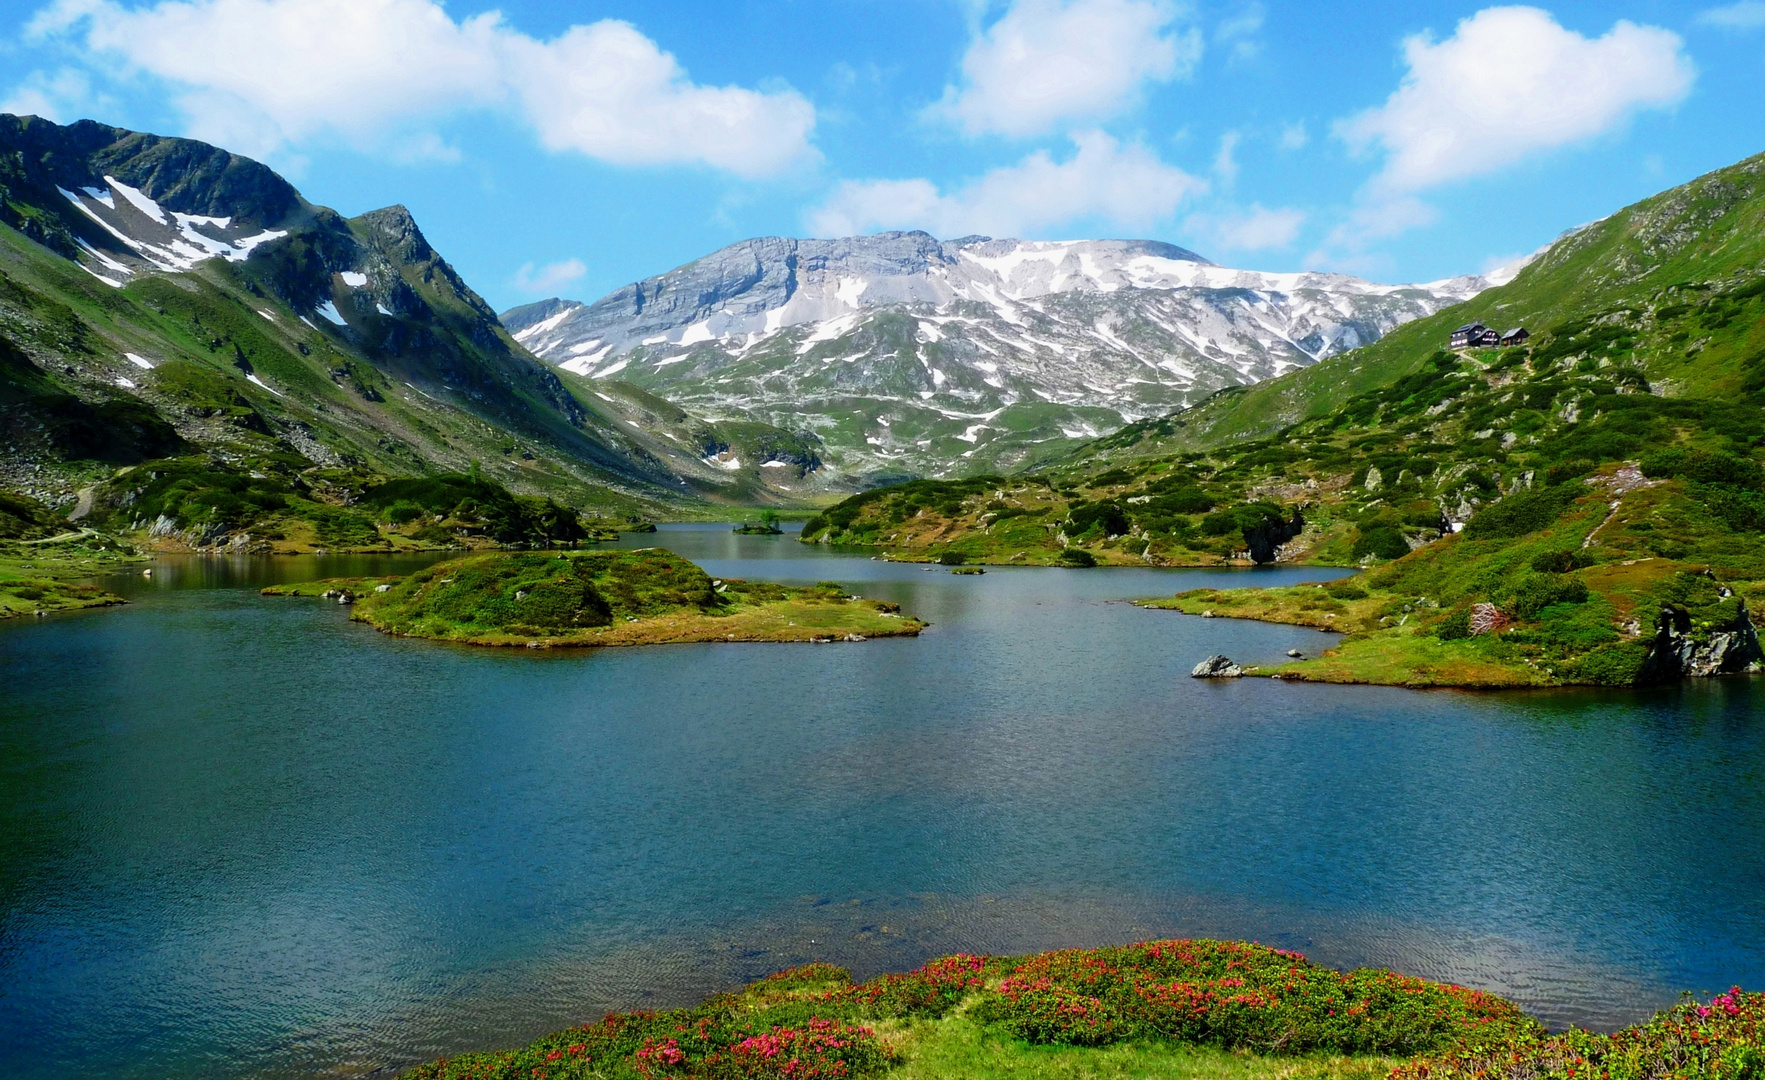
248	837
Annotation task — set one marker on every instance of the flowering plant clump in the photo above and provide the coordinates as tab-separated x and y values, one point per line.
1240	996
1722	1039
930	991
683	1045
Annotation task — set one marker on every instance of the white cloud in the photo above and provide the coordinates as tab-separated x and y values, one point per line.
1049	61
1239	31
548	277
62	96
1745	15
1376	218
265	73
1508	83
1294	136
1225	163
1127	186
1258	229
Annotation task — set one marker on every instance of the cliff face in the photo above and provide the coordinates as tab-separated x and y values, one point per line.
1682	649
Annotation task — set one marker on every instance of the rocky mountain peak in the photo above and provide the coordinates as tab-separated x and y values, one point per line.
961	351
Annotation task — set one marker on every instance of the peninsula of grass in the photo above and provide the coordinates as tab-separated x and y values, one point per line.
1630	577
1171	1010
43	560
602	598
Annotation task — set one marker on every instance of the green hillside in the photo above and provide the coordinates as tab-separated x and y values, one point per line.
1587	507
1687	245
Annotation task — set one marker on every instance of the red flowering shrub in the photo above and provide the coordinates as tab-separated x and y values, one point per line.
930	991
1723	1039
1236	995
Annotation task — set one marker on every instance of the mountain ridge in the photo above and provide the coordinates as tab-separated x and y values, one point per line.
161	296
904	353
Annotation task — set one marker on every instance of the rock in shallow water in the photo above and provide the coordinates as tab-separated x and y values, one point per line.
1216	667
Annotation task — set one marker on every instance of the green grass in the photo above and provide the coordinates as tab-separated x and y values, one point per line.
606	598
958	1047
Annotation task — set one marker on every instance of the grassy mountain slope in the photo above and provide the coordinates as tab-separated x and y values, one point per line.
1699	234
314	362
1587	508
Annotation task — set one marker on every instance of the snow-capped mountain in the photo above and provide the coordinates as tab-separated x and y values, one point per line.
906	354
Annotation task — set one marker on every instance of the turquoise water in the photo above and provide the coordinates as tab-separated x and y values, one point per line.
245	837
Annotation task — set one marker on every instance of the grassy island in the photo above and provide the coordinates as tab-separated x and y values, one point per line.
1161	1009
592	598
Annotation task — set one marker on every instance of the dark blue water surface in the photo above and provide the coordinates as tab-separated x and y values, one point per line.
246	837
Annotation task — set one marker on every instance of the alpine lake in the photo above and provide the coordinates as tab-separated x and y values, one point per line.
246	837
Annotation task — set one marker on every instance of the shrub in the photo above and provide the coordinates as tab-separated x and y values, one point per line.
1239	996
1219	523
1616	664
1560	562
1076	557
402	512
1721	1040
1523	512
1703	466
1539	591
929	991
1105	514
1342	590
951	558
1740	509
1456	626
1184	500
1380	541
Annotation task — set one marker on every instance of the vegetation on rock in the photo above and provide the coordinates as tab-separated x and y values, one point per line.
625	597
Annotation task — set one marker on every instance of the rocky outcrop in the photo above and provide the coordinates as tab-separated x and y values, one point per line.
1216	667
1264	540
1681	649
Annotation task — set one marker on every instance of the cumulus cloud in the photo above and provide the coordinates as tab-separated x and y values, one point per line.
1126	186
547	278
1372	220
1257	229
1745	15
1225	163
265	73
1045	62
61	96
1239	32
1511	82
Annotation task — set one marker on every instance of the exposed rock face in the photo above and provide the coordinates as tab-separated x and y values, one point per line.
910	354
1679	651
1216	667
1265	540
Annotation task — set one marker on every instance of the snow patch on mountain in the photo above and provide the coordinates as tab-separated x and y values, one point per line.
888	348
164	240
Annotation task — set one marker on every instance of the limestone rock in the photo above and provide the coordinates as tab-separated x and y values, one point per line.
1216	667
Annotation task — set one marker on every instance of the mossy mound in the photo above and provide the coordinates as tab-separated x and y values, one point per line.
632	597
24	518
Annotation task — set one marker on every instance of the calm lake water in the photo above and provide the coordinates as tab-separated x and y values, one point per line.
243	837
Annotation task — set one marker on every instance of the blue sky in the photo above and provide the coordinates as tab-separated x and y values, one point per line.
569	148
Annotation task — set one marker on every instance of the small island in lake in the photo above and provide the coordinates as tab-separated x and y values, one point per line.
590	598
767	525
